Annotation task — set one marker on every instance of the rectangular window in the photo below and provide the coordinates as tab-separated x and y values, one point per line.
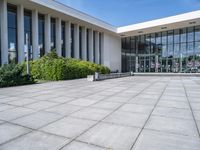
87	34
183	35
190	36
63	38
53	33
12	34
72	40
197	33
100	48
94	46
41	35
176	36
28	31
80	42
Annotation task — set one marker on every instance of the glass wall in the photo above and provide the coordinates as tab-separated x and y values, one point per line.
63	38
28	31
100	38
41	35
53	33
169	51
12	34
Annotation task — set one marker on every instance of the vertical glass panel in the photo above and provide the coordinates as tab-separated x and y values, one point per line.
12	34
41	35
53	33
190	36
170	37
80	42
183	35
197	47
197	33
63	38
87	34
190	49
164	38
28	31
72	40
176	36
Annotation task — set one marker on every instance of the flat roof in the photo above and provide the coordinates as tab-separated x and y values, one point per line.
172	22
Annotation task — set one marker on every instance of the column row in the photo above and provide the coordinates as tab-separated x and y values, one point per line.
45	32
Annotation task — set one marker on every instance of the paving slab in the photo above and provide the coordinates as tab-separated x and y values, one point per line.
111	136
37	120
83	102
172	125
36	141
4	107
15	113
146	109
9	131
69	127
174	104
107	105
64	109
153	140
127	119
173	112
95	114
41	105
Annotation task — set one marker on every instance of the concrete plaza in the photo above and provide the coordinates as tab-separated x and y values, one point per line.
133	113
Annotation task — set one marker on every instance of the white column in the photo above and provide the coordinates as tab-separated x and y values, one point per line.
84	45
47	33
20	33
4	31
97	47
58	36
68	39
91	53
76	41
35	43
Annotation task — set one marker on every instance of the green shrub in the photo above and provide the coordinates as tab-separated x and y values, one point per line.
52	67
12	75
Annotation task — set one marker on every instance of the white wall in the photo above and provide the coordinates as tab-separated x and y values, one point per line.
112	52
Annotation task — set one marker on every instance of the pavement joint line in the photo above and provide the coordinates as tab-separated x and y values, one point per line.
150	115
150	84
191	108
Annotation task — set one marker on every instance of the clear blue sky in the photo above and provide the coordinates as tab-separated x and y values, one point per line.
126	12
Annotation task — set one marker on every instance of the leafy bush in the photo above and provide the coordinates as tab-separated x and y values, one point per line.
12	75
52	67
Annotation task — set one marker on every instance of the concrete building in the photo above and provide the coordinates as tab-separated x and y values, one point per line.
165	45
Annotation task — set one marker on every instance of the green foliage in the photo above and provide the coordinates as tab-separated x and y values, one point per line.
12	75
51	67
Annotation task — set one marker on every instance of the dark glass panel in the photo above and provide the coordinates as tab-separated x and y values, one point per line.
190	36
63	38
197	33
53	33
72	40
41	35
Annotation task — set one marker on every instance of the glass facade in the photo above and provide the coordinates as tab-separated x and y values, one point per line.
53	33
41	36
28	31
100	54
12	34
63	38
169	51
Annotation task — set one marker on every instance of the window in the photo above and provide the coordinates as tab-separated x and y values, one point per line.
28	31
87	34
100	46
190	36
53	33
176	36
183	35
12	34
197	33
80	42
164	38
72	40
94	46
63	38
41	35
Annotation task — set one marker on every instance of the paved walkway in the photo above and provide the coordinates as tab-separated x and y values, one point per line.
134	113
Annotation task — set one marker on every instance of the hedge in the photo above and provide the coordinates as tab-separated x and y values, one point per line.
13	75
54	68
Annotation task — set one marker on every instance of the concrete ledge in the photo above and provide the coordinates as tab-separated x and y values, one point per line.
166	74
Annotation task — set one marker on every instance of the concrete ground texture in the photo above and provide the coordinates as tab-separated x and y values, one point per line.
132	113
